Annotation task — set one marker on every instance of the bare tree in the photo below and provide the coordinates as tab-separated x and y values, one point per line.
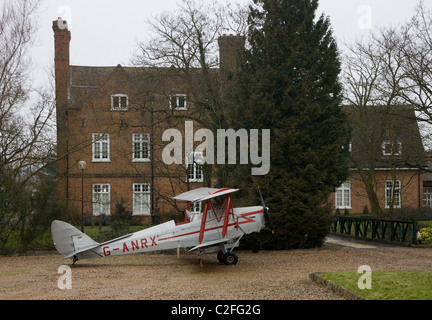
187	38
185	42
417	66
373	77
26	117
389	69
373	73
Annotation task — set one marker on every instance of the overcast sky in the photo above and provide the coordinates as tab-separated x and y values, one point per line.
105	32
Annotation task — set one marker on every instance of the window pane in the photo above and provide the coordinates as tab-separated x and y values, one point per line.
119	102
101	147
141	146
116	102
105	150
173	101
141	198
178	101
393	194
181	102
338	198
97	151
346	199
123	103
194	170
101	199
145	150
343	195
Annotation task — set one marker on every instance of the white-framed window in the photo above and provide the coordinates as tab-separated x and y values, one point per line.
349	147
195	207
119	102
101	199
427	197
194	167
101	147
393	194
141	199
343	196
391	148
178	102
140	147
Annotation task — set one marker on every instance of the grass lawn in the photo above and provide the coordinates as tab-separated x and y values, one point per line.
387	285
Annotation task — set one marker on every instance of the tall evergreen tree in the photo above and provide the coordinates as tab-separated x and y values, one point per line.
287	81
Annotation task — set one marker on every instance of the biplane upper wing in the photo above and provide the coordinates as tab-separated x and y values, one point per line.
195	195
219	193
202	194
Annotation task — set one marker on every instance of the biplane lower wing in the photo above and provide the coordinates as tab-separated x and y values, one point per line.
210	244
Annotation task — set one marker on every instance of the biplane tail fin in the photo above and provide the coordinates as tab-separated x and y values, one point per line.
68	240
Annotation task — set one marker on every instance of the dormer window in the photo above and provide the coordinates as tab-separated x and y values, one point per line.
391	148
119	102
178	102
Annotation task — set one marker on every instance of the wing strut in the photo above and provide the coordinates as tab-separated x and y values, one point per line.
229	211
203	221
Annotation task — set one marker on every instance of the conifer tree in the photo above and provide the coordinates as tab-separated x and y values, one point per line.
287	81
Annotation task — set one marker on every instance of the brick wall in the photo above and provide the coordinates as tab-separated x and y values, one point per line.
84	100
411	183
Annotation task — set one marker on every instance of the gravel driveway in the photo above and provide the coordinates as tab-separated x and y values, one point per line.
274	275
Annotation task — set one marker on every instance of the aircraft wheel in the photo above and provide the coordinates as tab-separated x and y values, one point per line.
220	256
230	258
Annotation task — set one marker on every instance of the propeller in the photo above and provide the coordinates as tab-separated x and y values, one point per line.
266	213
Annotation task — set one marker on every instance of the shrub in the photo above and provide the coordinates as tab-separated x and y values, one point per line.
365	210
426	235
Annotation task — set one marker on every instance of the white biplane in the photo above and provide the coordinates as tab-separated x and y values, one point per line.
218	228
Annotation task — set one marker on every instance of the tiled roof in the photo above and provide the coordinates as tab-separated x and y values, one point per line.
373	125
85	81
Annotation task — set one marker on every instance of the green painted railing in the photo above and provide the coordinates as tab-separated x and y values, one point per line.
376	229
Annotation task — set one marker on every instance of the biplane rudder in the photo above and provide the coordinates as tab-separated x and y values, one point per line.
68	240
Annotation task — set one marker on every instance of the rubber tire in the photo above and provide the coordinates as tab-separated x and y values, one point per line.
220	256
230	258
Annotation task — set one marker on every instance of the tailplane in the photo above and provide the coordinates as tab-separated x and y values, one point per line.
68	240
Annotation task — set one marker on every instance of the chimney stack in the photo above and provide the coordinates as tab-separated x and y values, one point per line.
62	38
229	47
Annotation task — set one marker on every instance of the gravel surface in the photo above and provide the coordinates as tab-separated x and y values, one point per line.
267	275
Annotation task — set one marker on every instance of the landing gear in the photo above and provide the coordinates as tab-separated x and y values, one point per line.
220	256
229	258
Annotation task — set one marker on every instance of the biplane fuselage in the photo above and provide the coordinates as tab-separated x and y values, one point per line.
218	227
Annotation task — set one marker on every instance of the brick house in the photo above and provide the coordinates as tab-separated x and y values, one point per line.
387	157
427	184
113	118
